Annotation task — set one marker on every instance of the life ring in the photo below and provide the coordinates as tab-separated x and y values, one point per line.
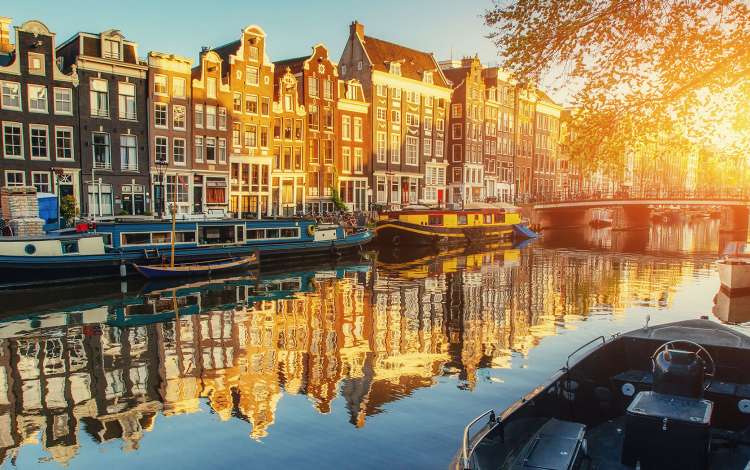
311	229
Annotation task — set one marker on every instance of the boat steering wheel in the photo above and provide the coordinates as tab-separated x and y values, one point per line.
698	350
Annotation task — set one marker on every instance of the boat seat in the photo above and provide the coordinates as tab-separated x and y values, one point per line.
643	380
558	445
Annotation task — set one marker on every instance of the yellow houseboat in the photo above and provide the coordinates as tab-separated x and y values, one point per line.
448	227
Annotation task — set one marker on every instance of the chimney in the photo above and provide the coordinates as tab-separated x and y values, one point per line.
5	45
358	29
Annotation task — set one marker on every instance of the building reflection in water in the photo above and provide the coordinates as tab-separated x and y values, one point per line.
370	333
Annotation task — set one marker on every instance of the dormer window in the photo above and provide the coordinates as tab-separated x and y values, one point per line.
353	91
111	49
428	78
254	53
36	63
395	68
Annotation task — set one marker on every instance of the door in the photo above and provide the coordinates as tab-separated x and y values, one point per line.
440	197
197	199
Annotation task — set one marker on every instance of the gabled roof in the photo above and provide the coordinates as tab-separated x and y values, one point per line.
295	64
224	52
545	97
456	75
413	62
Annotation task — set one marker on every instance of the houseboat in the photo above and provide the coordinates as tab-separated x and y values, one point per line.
110	248
734	269
441	227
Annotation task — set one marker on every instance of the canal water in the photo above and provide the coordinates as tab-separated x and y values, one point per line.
369	363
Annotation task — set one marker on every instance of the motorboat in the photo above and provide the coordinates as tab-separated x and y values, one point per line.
671	396
734	268
732	309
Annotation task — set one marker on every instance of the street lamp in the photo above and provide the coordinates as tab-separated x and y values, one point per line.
161	166
58	174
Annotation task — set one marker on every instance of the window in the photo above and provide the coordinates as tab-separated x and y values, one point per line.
287	129
210	117
429	101
456	110
160	85
427	147
160	115
346	159
222	150
111	49
439	125
251	104
11	96
36	63
438	148
264	136
381	147
101	148
312	85
297	158
126	100
412	150
236	134
327	89
380	187
178	87
63	101
457	152
41	181
328	118
358	129
395	148
251	75
99	98
178	116
346	129
177	189
381	90
396	93
39	141
412	120
265	106
343	69
456	131
223	119
15	178
37	98
161	146
313	117
328	152
412	97
298	129
211	87
210	149
358	160
129	153
178	151
395	116
428	124
64	143
198	115
13	140
381	114
199	149
395	68
251	136
428	78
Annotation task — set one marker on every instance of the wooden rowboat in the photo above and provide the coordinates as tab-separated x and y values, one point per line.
196	269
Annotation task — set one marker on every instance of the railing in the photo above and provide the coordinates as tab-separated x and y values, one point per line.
466	453
106	165
622	195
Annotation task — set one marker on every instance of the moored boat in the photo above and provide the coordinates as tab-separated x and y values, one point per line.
734	268
205	268
110	248
672	396
441	227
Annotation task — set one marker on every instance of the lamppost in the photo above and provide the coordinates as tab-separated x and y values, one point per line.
58	174
161	166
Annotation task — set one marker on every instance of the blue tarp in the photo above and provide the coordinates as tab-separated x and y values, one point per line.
47	207
524	231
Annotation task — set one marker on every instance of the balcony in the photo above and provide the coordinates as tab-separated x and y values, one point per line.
100	112
129	166
103	165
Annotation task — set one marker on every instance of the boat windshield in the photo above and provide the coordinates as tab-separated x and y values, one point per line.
737	249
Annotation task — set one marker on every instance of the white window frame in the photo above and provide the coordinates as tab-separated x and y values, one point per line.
198	111
98	112
357	129
198	144
381	149
346	127
31	136
210	119
161	78
175	90
69	93
427	147
346	159
175	141
175	113
134	166
221	150
382	114
57	146
123	98
358	160
395	145
158	139
41	59
48	183
34	86
412	150
108	160
249	75
15	172
15	125
3	96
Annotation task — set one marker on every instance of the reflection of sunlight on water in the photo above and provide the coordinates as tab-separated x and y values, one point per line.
354	342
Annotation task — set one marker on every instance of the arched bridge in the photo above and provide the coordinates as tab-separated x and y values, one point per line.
633	210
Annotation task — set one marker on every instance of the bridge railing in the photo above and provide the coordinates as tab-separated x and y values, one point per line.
623	195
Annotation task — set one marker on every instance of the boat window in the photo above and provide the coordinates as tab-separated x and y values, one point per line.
184	237
255	234
69	246
216	235
106	238
488	218
435	220
272	233
462	219
161	238
290	233
499	217
240	229
136	238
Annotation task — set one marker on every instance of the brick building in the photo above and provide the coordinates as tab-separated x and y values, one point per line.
354	162
38	113
409	97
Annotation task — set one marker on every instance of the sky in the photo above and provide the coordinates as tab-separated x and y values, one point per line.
445	27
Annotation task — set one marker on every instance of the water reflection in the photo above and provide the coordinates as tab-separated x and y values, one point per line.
372	332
